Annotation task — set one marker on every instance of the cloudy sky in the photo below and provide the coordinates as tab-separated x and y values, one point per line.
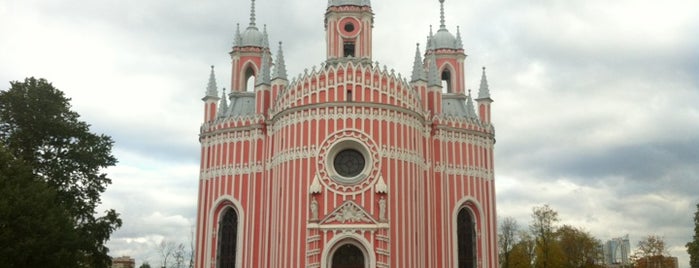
596	102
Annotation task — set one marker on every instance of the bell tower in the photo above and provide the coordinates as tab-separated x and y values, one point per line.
348	27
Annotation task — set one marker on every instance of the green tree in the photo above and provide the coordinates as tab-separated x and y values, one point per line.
543	228
34	232
693	247
145	265
39	128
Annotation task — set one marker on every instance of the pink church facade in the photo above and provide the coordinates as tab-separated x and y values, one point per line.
349	164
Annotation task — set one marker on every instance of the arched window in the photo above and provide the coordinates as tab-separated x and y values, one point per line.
348	48
466	235
250	80
348	256
227	238
446	81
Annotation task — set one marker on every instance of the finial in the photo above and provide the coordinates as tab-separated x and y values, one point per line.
433	72
280	67
459	42
252	13
223	106
441	17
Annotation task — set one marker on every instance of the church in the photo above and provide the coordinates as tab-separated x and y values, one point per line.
349	164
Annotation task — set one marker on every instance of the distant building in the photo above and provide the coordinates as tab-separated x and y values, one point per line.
617	251
124	262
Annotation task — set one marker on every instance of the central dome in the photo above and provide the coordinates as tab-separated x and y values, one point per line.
252	37
360	3
444	39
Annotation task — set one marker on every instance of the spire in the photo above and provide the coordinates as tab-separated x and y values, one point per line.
280	66
470	109
418	67
252	14
483	91
264	70
430	38
459	43
265	37
211	89
432	74
223	106
442	25
238	37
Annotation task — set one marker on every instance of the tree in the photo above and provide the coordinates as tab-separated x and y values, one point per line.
579	248
38	127
523	252
30	222
693	246
507	240
166	249
651	252
544	231
145	265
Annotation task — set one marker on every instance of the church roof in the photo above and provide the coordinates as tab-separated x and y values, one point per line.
360	3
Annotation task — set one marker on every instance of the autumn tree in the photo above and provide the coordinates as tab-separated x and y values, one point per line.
506	240
523	252
651	252
543	228
580	249
693	246
38	128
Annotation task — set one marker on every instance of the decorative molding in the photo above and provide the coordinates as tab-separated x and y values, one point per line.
381	187
315	188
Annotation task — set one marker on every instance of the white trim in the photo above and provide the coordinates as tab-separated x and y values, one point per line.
480	229
211	262
348	238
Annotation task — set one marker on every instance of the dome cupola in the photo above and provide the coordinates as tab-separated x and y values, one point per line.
443	38
252	37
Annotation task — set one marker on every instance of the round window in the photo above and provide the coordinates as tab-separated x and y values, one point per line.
349	163
349	27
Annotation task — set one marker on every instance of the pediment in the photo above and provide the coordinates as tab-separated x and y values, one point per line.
348	213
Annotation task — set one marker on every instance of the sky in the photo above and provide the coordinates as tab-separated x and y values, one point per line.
596	102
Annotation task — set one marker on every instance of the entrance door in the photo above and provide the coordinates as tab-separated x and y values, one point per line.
348	256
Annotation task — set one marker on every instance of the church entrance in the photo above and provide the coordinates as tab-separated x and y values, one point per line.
348	256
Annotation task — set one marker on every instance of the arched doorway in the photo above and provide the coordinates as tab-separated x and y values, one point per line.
466	236
228	235
348	256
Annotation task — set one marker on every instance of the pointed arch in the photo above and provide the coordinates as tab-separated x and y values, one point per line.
249	74
448	78
225	205
467	222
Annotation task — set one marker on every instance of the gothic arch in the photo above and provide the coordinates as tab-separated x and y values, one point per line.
343	239
222	205
470	208
447	73
249	70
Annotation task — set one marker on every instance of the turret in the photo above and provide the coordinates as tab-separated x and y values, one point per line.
211	98
484	99
450	56
418	79
348	28
279	76
246	55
